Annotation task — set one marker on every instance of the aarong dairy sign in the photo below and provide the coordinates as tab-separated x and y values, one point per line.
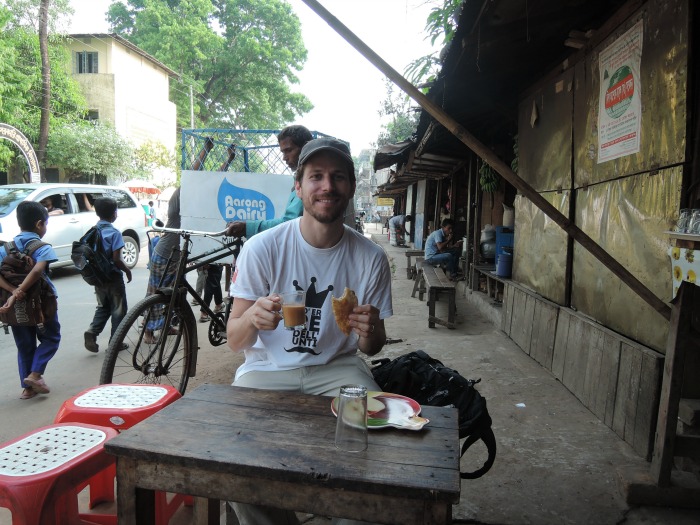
211	199
17	137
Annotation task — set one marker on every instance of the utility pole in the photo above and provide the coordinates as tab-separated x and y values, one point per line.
191	108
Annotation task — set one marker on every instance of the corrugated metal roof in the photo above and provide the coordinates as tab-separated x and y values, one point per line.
500	49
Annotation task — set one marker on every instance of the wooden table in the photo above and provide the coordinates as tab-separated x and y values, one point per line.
277	448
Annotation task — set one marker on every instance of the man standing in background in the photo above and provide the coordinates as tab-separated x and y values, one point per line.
291	139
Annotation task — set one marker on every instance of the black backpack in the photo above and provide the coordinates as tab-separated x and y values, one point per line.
39	303
91	259
429	382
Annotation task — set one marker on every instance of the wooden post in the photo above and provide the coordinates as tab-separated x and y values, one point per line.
496	163
679	341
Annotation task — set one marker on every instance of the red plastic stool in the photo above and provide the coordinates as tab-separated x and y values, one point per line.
120	407
40	473
115	405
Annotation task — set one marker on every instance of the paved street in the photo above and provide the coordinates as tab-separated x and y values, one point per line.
73	368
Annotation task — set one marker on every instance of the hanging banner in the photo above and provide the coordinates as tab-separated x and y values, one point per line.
620	100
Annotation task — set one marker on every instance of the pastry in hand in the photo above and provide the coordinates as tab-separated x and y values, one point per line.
342	308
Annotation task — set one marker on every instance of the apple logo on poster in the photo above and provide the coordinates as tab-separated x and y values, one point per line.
241	204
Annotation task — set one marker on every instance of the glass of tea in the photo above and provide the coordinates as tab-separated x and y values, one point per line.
294	309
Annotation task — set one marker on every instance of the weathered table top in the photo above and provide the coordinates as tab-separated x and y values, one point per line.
277	448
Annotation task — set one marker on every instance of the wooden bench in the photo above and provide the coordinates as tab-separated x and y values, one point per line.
492	280
436	283
411	268
419	284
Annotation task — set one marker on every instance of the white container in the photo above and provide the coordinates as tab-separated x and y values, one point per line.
508	217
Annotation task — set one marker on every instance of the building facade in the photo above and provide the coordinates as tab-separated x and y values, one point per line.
126	86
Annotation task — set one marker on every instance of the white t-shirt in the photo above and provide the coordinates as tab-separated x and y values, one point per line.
280	260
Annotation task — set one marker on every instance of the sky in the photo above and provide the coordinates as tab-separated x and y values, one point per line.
344	87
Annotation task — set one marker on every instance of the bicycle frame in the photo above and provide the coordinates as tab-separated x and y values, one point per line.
180	287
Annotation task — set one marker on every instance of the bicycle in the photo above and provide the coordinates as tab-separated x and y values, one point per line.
157	342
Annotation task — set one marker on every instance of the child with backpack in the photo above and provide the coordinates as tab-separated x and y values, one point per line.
36	345
111	297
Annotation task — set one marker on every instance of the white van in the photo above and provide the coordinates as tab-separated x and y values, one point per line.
75	201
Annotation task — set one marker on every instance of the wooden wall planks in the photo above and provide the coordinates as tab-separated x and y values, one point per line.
617	379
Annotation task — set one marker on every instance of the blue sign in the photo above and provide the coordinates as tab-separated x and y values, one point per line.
241	204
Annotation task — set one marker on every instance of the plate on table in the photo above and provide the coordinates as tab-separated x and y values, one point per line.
385	409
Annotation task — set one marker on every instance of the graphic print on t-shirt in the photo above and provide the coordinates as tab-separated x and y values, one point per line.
305	339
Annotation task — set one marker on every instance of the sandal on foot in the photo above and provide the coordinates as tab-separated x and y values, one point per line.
38	385
27	393
204	318
219	308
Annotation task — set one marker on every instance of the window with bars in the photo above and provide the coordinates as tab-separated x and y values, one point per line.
86	61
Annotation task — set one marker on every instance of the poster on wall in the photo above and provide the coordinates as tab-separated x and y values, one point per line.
210	199
620	100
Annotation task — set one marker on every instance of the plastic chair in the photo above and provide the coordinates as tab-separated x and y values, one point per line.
120	407
42	471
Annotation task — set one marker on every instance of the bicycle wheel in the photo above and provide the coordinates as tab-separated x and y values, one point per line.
139	362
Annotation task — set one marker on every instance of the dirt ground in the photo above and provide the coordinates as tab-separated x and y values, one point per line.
215	364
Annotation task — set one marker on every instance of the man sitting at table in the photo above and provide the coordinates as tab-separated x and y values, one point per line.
321	255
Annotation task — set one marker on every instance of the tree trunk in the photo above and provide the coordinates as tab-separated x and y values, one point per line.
46	85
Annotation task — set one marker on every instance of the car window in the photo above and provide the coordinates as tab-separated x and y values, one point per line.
11	197
56	203
123	199
86	200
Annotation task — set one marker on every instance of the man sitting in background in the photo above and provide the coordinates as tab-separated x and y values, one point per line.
439	249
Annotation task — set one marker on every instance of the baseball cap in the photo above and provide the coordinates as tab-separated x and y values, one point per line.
324	144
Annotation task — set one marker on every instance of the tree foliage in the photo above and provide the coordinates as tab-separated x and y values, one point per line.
21	83
240	56
440	26
92	149
25	13
151	156
403	120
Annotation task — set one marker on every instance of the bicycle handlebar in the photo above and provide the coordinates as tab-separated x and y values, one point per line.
183	232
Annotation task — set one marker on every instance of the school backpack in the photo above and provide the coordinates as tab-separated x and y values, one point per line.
39	303
429	382
91	259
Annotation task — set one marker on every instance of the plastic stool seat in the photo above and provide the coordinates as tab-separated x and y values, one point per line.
43	451
40	472
115	405
121	396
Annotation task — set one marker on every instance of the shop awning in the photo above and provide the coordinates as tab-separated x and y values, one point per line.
141	187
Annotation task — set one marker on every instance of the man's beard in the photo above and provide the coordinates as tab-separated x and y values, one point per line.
329	216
